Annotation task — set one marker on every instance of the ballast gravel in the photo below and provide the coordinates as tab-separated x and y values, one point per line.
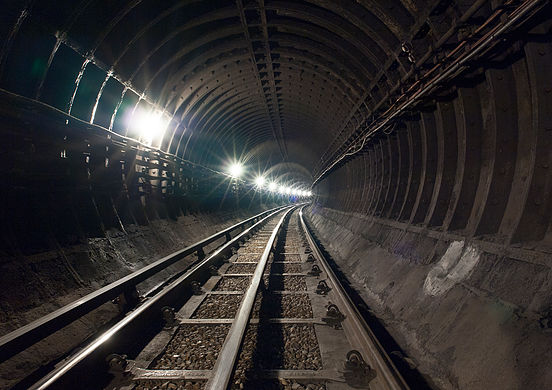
193	347
233	283
245	268
168	385
218	306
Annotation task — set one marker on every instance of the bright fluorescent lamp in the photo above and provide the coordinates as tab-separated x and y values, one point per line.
282	190
235	169
149	125
260	181
272	186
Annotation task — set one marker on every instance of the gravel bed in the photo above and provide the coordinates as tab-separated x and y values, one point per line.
244	373
218	306
257	305
233	283
276	384
261	241
283	306
287	384
241	268
168	385
246	257
290	257
193	347
286	283
254	246
287	268
252	249
291	249
299	350
263	349
293	242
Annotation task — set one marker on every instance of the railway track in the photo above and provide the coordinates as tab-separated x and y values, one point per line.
270	314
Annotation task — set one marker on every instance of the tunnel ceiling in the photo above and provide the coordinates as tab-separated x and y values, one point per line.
284	80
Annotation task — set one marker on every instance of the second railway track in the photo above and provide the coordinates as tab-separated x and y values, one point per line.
270	315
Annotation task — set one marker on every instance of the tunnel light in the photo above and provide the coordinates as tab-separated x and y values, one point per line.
288	191
149	125
272	186
260	181
282	190
235	169
294	192
309	194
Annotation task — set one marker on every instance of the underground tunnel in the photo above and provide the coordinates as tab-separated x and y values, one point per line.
276	194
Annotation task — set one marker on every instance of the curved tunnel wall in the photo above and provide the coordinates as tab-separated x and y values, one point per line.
445	226
474	163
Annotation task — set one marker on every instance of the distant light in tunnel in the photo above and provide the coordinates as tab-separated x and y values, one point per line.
260	181
235	169
293	190
150	126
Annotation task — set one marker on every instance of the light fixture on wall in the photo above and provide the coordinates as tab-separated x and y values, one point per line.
260	181
149	126
235	170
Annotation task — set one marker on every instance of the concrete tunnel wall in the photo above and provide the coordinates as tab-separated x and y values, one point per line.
442	222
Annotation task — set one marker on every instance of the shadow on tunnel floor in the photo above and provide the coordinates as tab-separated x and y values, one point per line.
412	376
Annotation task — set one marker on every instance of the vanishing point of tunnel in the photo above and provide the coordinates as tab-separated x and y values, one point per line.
414	138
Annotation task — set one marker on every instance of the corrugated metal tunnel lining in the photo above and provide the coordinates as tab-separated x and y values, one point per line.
311	91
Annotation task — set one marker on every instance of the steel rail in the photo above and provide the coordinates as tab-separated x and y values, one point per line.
357	330
154	304
224	366
28	335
